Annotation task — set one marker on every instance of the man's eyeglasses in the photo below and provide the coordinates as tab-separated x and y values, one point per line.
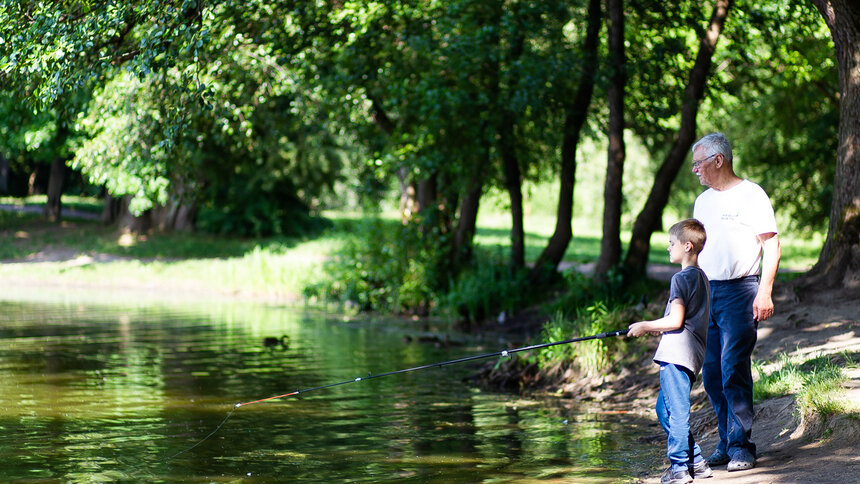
698	163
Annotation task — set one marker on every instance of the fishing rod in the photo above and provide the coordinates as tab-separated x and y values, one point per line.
502	353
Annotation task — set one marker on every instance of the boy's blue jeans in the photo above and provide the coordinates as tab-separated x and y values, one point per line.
727	372
673	412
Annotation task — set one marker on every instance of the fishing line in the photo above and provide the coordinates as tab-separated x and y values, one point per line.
138	468
204	439
502	353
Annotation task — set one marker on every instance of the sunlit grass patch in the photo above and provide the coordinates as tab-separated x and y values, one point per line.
817	384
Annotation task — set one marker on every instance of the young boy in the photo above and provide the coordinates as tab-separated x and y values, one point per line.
681	352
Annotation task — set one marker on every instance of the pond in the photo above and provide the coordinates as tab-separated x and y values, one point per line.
136	392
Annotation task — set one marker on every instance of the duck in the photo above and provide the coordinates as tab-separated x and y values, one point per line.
272	341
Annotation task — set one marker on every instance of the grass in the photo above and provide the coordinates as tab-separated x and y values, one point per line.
277	265
816	383
72	202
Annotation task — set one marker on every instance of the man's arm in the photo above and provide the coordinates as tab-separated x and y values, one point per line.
763	304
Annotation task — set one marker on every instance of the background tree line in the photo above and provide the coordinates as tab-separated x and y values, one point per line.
244	117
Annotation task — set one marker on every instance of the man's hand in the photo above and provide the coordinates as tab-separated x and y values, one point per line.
771	252
762	306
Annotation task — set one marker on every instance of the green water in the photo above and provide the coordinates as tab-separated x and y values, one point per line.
107	393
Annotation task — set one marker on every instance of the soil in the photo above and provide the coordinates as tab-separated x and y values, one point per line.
791	449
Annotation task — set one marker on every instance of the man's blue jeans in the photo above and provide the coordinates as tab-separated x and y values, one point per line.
727	372
673	412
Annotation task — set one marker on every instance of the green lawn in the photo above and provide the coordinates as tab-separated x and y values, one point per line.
278	266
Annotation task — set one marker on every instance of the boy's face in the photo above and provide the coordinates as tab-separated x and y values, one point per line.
676	250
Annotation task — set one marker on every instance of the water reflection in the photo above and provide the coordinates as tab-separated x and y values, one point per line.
126	393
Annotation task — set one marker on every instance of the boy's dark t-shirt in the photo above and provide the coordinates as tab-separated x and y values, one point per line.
686	346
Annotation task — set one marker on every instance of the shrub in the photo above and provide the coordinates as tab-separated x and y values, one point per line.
256	206
384	267
486	288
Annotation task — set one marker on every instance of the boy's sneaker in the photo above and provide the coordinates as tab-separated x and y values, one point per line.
701	470
677	477
718	458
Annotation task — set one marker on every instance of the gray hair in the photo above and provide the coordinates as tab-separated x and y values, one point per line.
715	143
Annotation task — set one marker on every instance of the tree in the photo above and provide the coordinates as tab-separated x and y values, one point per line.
649	218
776	97
575	116
52	55
839	260
610	249
195	114
31	141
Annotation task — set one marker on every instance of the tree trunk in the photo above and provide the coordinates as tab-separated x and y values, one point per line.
513	184
428	190
408	193
31	181
839	260
508	154
133	223
466	224
53	206
4	175
176	215
610	247
576	113
649	218
111	209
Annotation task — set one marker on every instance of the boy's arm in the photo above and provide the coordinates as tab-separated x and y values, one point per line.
670	322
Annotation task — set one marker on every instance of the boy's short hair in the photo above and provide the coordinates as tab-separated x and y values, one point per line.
690	230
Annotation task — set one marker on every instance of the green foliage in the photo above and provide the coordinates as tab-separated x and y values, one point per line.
816	384
582	290
260	207
778	104
386	266
592	356
253	111
485	289
52	49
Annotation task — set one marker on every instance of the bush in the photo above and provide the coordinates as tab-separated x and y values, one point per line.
582	290
385	267
257	206
485	289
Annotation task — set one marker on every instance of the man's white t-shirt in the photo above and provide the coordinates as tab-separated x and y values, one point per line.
733	219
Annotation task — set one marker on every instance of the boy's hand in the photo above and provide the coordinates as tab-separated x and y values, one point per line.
636	330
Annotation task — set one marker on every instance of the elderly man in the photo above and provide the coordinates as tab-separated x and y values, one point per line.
740	260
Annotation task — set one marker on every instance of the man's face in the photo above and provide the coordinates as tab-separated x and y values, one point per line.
703	165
